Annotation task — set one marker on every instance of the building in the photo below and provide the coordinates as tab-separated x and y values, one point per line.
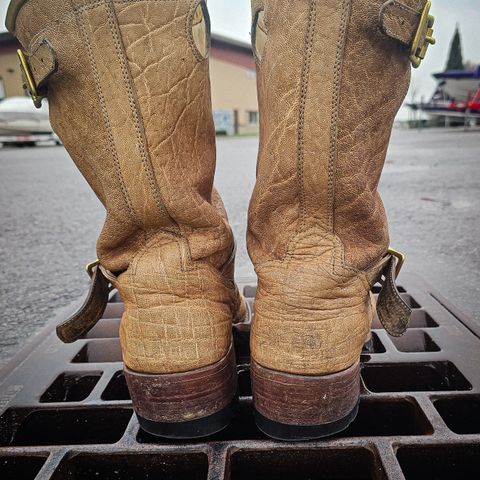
10	76
234	85
232	71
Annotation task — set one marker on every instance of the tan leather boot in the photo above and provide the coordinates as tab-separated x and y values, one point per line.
331	76
129	95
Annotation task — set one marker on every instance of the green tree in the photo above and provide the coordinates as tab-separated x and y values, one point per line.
455	57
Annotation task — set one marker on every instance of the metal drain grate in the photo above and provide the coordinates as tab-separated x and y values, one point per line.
66	413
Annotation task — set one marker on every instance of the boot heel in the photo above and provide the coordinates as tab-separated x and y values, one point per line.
299	407
185	405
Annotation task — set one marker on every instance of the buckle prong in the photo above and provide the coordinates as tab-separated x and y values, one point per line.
400	260
30	84
90	266
424	36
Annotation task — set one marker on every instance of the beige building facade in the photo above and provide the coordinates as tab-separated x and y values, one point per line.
10	76
234	84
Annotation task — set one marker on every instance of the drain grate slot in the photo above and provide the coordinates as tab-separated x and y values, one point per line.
419	319
388	418
106	328
71	387
116	388
410	301
415	341
63	426
414	377
440	462
300	464
374	346
461	414
99	351
244	384
189	466
114	310
20	467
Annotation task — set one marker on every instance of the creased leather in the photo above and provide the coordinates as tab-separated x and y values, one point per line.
318	234
90	312
131	102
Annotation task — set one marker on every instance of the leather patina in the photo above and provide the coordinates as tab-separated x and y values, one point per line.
138	123
318	233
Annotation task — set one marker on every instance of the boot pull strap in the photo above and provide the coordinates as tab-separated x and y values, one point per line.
37	69
410	23
87	316
393	312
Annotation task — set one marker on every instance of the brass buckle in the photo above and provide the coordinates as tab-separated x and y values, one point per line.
30	84
89	267
423	37
400	260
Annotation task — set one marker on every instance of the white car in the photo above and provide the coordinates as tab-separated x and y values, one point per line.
21	123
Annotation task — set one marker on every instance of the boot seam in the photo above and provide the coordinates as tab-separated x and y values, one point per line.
337	82
308	45
135	110
106	119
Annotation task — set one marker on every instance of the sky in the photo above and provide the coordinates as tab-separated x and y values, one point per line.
232	18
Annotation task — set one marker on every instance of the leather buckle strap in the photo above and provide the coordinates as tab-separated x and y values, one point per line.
87	316
411	24
393	312
36	69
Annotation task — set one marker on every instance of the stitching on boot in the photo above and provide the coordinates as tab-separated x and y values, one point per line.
346	9
303	98
106	120
139	129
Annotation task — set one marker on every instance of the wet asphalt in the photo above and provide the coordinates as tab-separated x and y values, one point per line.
50	220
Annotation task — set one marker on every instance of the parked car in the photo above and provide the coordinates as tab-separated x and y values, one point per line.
21	123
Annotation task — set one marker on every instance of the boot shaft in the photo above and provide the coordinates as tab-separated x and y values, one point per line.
129	96
331	78
330	83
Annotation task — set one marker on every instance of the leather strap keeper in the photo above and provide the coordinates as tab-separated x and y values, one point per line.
400	19
43	63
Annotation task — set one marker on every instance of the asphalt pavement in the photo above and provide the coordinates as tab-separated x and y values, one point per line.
50	220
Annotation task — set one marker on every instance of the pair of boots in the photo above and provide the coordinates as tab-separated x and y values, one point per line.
129	94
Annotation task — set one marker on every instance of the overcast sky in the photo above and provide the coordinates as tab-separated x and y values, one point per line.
232	18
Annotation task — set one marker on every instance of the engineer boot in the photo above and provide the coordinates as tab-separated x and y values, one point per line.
331	76
129	94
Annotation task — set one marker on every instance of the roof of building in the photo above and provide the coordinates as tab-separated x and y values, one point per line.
7	38
230	42
458	74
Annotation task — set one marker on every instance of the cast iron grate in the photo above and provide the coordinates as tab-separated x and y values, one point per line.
65	411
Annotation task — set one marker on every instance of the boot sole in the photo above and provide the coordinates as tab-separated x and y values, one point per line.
317	406
202	427
185	405
298	433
